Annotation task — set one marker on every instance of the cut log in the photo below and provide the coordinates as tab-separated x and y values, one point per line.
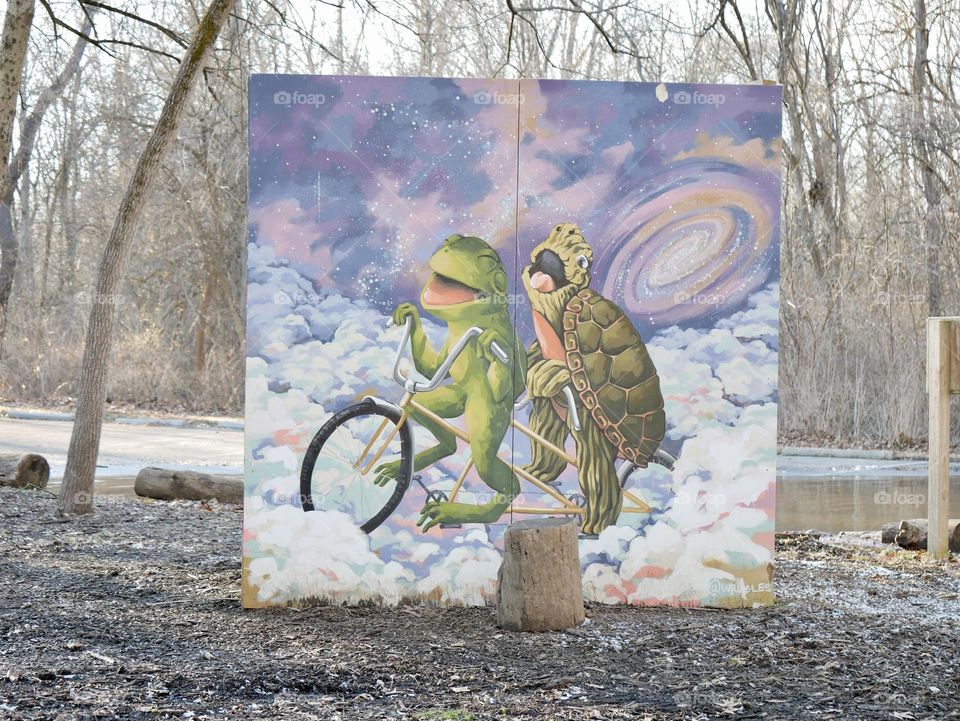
167	485
23	471
888	534
538	586
912	534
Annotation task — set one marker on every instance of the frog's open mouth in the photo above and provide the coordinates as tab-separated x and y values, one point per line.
442	290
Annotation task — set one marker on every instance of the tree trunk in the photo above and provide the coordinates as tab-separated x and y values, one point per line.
168	485
76	493
23	471
932	193
538	586
16	33
9	257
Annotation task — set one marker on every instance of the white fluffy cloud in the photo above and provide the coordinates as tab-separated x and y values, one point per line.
313	354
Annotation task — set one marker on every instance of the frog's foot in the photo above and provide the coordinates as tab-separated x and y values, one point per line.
436	512
386	472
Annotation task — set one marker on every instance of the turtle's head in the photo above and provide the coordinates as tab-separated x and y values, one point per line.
468	280
559	268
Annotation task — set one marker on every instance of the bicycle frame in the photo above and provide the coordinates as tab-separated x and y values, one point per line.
632	503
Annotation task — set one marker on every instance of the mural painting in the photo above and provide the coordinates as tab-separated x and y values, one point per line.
473	301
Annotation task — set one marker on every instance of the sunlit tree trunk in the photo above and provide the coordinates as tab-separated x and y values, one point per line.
16	34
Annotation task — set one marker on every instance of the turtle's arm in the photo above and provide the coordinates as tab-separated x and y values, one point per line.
534	354
547	378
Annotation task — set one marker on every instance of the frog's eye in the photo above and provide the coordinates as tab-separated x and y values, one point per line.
583	262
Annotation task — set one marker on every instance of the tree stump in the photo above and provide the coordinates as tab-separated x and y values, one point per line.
22	471
912	534
538	586
167	485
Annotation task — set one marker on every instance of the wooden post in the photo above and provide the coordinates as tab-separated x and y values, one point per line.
941	341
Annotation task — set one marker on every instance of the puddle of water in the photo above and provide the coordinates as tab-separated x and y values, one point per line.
854	504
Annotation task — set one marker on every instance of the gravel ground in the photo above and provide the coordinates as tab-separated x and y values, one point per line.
133	613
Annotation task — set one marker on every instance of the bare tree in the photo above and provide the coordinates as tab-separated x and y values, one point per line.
76	493
29	127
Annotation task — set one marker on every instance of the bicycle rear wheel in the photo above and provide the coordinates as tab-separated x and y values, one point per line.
341	462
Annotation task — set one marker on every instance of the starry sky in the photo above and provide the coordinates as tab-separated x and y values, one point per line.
357	180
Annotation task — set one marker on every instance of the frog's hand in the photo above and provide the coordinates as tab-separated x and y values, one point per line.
425	358
497	352
520	371
547	378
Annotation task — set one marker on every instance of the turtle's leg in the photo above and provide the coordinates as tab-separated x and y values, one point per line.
598	476
546	465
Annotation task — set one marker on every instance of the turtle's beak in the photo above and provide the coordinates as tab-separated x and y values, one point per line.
547	272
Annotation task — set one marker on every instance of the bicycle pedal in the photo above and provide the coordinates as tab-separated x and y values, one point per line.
451	525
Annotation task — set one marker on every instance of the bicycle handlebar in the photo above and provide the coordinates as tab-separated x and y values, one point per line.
433	383
568	394
498	352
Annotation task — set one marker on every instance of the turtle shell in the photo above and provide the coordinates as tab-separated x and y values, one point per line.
614	375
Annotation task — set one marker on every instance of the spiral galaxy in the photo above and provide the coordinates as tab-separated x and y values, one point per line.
698	239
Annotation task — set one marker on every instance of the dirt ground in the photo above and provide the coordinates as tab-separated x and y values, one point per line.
133	614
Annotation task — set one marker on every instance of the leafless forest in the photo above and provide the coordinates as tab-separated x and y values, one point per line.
870	171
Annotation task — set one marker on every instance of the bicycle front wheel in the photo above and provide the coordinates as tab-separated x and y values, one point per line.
354	447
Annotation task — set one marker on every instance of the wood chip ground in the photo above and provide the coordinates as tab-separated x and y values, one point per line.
134	614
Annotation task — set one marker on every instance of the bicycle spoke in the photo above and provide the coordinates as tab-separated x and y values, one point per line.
337	483
336	457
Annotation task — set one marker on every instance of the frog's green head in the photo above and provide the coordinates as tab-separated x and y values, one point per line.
468	280
559	268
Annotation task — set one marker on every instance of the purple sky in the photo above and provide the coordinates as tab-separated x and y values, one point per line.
357	180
